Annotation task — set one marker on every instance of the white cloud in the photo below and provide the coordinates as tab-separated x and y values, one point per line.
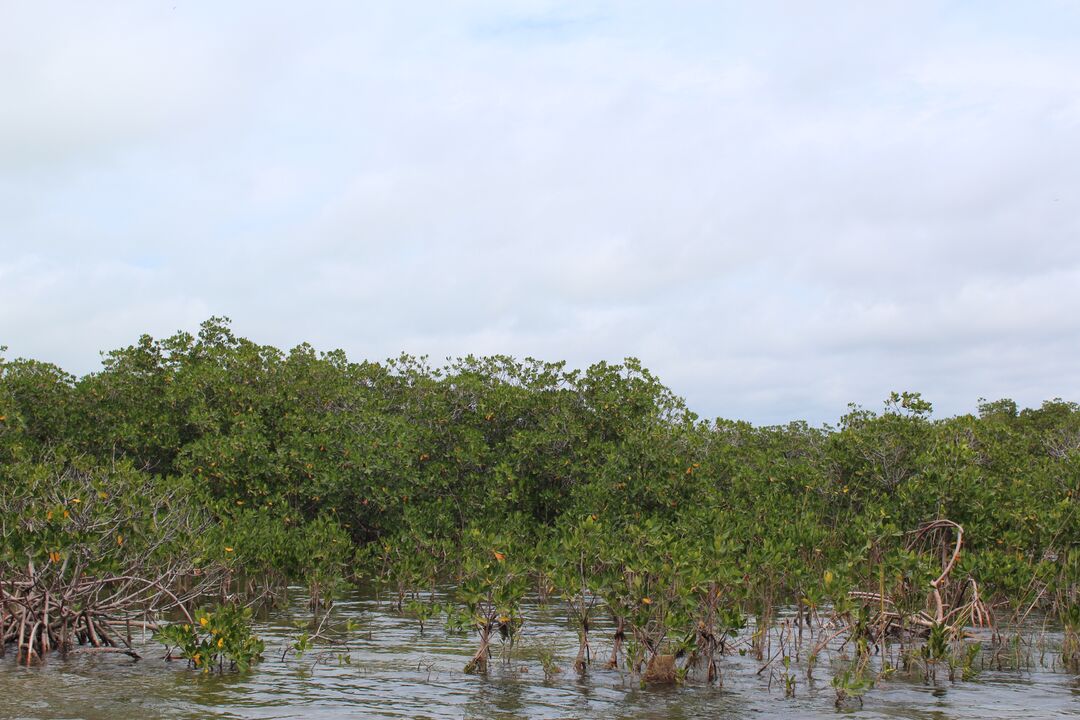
780	208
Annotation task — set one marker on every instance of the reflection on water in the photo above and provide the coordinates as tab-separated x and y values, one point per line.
390	670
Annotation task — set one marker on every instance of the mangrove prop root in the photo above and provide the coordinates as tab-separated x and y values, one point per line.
660	670
44	611
616	647
478	664
940	612
582	659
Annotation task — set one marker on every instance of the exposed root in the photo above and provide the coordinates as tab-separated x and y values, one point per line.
948	605
43	612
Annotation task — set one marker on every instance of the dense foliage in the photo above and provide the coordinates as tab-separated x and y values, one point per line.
503	475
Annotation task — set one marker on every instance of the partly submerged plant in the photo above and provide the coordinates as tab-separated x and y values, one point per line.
218	640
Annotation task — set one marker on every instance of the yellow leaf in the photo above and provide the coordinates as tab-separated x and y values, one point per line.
646	601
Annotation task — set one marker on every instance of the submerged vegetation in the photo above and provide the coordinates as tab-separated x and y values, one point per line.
200	467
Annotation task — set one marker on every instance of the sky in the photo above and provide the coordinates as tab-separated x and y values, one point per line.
780	208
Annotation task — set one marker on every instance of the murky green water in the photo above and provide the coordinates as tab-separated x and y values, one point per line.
395	672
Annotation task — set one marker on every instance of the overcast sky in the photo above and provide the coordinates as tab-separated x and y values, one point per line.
779	208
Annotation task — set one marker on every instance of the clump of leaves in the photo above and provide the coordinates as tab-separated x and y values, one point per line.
851	684
457	620
218	640
422	611
547	654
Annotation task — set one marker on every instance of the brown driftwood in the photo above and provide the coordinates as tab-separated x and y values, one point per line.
95	650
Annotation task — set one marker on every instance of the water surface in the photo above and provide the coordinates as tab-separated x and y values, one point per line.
390	670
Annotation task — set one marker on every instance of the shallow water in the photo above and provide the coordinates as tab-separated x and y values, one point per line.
390	670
